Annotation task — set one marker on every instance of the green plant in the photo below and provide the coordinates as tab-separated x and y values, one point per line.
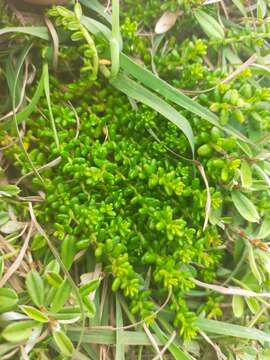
48	310
164	211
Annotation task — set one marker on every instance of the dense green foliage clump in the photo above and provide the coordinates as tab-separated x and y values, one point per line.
122	191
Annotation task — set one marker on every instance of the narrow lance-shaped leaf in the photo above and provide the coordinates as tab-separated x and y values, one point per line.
246	174
96	6
86	289
68	314
48	98
245	207
227	329
37	31
19	331
61	296
174	348
35	287
120	349
8	299
54	279
68	251
35	314
90	306
209	25
139	93
240	6
115	39
237	305
160	86
52	266
264	231
253	265
9	190
253	305
64	344
24	113
261	9
262	174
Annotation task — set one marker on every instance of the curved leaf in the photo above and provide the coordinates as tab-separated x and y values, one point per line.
19	331
140	93
209	25
37	31
35	314
264	231
238	305
61	296
35	287
63	343
246	174
253	265
160	86
245	207
227	329
8	299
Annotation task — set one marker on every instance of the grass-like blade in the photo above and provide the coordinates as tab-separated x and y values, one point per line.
227	329
148	79
48	98
19	67
114	41
174	349
37	31
108	337
139	93
96	27
119	348
24	114
98	8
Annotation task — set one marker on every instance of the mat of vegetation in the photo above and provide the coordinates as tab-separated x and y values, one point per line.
135	180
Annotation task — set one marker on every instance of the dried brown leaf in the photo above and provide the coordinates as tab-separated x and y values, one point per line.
166	22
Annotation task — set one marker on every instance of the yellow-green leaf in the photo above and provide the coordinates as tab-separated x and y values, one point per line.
34	313
54	279
209	25
8	299
86	289
237	305
63	343
264	231
245	207
253	305
261	9
35	287
246	174
61	296
9	190
19	331
90	306
253	265
68	251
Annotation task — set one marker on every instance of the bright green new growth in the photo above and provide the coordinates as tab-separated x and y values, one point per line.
121	197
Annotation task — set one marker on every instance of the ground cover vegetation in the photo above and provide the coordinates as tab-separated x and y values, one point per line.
135	180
